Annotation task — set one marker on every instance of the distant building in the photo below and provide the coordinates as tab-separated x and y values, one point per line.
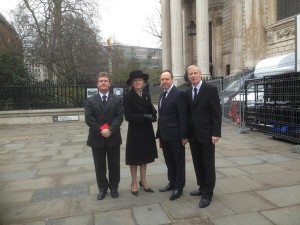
148	58
225	36
9	39
39	70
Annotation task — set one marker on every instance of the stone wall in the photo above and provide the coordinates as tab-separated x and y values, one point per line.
281	37
38	116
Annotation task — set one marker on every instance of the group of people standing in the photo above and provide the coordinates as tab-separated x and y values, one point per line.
193	117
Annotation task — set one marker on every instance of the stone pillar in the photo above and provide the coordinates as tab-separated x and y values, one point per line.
202	23
176	42
254	33
217	46
236	60
187	40
272	12
166	35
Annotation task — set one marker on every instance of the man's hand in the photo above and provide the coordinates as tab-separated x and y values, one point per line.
184	141
214	139
106	133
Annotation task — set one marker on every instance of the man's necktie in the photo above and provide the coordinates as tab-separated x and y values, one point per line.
104	99
163	97
195	93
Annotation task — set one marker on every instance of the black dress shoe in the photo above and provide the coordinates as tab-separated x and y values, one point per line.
101	194
176	194
114	193
169	187
204	203
196	193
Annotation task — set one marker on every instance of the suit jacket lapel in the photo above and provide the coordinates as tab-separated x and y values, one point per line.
169	96
200	93
159	101
99	101
109	101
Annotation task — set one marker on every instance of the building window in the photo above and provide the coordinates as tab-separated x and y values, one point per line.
228	69
287	8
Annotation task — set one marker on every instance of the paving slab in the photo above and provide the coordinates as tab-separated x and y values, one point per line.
86	219
245	160
15	197
245	202
17	175
29	184
116	217
239	184
150	215
242	219
231	171
60	192
33	211
80	161
284	216
273	158
283	196
261	168
221	162
236	153
188	208
277	179
245	193
202	221
290	165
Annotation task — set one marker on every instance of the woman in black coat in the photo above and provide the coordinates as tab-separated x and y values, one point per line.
140	113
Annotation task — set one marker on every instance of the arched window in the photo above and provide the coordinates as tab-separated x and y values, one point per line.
287	8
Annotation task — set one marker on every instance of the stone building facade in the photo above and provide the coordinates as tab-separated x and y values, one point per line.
9	39
231	35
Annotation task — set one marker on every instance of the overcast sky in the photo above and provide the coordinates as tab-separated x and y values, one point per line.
122	20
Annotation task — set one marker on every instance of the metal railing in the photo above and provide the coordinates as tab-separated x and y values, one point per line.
48	95
274	107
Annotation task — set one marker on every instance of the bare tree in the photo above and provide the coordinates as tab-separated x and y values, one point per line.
42	24
154	25
82	53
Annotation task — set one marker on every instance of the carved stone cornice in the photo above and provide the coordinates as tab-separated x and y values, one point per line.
281	31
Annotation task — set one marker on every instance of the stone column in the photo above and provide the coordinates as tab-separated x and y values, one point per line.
202	23
187	40
166	35
254	33
217	46
237	37
272	12
176	42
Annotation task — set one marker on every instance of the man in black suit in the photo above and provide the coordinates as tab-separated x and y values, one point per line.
172	133
205	120
104	116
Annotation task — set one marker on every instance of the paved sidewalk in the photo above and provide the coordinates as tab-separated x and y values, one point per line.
47	178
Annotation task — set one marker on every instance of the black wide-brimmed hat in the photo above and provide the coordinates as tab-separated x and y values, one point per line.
137	74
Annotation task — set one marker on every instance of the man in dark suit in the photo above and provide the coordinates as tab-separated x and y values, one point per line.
104	116
205	120
172	133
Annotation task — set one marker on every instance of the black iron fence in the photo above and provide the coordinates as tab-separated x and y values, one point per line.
49	95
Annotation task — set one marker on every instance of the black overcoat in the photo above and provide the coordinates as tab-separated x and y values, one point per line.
141	145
